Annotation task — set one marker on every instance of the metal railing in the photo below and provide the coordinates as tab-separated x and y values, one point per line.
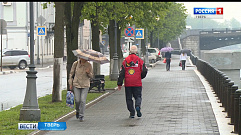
227	93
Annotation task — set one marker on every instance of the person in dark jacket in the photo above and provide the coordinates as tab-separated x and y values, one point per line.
168	60
133	70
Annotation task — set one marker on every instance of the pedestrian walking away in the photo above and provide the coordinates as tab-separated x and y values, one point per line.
79	82
183	58
133	70
168	60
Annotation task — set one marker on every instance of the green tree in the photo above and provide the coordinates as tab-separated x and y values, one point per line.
72	20
96	13
121	16
101	18
174	22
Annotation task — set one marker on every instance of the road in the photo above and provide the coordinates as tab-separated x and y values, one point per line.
13	86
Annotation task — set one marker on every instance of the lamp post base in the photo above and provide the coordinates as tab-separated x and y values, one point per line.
147	61
30	110
114	75
29	115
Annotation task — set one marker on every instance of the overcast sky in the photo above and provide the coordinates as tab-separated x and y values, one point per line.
230	9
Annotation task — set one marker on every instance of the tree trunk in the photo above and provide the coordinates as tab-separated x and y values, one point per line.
111	33
58	52
95	44
119	51
143	46
95	39
57	81
151	39
70	55
72	25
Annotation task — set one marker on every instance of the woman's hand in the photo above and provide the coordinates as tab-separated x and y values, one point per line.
87	70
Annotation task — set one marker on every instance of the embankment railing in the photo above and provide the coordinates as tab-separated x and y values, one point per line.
227	93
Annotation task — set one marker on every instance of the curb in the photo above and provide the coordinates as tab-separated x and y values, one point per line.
7	72
72	114
12	71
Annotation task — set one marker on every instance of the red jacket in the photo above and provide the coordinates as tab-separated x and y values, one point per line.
133	70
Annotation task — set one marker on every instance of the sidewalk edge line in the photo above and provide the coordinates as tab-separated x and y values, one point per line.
222	122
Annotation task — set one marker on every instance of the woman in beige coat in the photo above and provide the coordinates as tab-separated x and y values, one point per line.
79	82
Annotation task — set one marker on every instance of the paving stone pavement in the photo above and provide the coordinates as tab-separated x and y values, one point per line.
174	102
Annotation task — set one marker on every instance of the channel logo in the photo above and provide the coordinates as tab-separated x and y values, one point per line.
27	126
52	125
212	13
42	126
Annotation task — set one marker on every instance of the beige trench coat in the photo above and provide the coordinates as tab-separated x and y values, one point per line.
81	78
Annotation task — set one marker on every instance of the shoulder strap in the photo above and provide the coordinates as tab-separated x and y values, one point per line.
75	68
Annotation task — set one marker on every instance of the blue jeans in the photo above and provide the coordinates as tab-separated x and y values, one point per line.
80	95
135	92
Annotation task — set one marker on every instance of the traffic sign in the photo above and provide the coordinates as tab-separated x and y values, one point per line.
3	23
129	32
139	33
41	31
41	20
129	39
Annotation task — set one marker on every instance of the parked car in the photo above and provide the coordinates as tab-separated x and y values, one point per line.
151	58
15	58
156	52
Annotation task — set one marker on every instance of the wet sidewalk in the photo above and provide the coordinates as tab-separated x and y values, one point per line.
174	102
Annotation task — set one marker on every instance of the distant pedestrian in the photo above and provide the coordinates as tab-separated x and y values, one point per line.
183	58
79	82
168	60
133	69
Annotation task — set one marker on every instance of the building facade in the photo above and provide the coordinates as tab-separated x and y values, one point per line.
16	16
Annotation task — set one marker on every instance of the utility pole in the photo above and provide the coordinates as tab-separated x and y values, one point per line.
38	59
114	74
30	110
146	58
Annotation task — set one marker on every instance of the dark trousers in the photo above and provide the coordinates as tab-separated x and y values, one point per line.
168	62
183	64
135	92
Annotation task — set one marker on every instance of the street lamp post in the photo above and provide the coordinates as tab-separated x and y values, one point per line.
158	33
146	57
114	75
30	110
38	59
158	41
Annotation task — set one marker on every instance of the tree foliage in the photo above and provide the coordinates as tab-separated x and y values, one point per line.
102	15
174	22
